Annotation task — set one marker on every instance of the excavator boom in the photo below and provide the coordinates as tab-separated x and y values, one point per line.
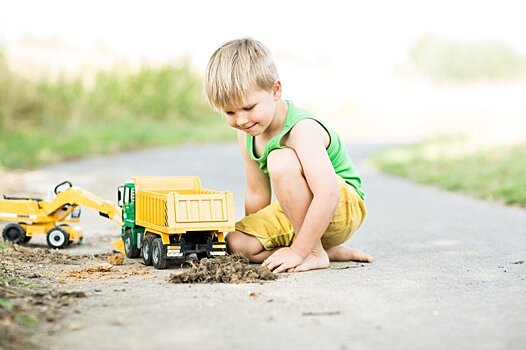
77	196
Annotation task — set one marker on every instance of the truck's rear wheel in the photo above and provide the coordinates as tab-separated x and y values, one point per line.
14	233
146	250
130	249
159	260
57	238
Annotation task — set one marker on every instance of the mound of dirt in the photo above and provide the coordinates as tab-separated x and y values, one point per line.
224	269
21	254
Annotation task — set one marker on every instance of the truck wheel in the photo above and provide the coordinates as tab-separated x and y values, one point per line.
159	260
130	249
146	250
57	238
14	233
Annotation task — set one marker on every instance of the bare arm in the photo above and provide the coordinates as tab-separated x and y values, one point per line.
259	192
307	140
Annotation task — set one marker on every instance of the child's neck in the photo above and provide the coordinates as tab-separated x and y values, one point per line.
280	115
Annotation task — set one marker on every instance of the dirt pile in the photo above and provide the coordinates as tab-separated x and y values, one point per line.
21	254
224	269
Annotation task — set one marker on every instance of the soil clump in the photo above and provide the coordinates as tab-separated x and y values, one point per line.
224	269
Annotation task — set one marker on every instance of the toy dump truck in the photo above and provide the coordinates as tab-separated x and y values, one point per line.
172	217
33	216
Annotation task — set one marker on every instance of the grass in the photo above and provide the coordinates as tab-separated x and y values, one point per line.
6	304
441	60
18	315
24	149
6	280
50	120
492	173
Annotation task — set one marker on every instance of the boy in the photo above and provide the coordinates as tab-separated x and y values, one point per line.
319	197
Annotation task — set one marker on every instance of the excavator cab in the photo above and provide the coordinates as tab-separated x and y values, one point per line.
75	214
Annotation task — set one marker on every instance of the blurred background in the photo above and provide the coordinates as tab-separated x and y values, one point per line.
88	78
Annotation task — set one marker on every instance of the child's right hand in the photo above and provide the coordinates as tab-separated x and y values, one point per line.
282	260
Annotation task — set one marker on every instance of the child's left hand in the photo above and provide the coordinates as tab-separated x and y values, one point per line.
284	259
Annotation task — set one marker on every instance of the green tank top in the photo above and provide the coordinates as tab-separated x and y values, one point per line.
341	162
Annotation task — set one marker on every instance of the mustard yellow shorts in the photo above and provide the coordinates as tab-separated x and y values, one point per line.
272	227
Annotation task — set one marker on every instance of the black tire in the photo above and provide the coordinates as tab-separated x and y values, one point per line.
81	239
131	250
146	250
57	238
159	260
14	233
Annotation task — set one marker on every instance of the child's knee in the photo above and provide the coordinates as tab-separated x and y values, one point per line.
233	241
283	162
241	243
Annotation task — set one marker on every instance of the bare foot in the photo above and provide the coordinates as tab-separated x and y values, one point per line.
341	253
317	259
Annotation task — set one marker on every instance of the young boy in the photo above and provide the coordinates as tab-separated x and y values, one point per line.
319	197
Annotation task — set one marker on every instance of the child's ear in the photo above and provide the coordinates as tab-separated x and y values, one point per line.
276	90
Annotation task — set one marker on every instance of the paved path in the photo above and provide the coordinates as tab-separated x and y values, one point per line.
444	275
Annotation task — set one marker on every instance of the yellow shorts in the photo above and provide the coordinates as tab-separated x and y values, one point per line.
272	227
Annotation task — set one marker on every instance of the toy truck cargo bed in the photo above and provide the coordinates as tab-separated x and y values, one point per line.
179	204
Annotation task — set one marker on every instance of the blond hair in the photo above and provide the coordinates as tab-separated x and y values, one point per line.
235	67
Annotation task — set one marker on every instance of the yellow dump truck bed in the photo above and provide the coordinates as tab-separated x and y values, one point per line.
178	204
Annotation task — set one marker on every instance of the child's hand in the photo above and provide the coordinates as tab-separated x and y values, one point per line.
282	260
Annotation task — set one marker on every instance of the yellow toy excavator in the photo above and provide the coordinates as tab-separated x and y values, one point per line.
32	216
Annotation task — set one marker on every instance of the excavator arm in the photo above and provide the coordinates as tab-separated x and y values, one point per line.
74	196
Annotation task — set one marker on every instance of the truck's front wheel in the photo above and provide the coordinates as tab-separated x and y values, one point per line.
130	249
159	260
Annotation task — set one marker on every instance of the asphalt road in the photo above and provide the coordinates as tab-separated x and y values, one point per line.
445	274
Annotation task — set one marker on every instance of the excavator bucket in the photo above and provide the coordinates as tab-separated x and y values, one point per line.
118	246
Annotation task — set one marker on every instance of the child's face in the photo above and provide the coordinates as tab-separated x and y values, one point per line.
255	115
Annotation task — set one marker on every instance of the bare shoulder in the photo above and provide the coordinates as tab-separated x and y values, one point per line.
307	132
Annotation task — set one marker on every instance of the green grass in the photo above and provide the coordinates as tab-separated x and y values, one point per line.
6	280
31	148
50	120
441	59
6	304
28	320
494	173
